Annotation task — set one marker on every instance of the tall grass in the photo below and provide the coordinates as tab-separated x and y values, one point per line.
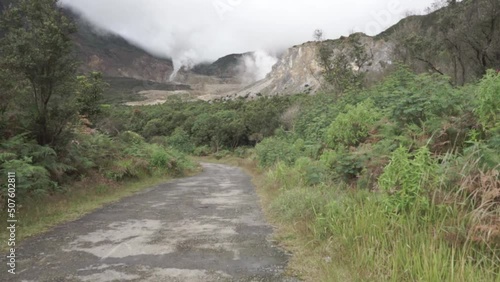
374	245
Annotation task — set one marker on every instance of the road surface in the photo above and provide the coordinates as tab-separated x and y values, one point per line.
203	228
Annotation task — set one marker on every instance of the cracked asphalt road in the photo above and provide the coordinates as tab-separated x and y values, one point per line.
203	228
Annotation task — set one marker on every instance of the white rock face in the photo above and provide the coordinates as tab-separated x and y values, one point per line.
299	70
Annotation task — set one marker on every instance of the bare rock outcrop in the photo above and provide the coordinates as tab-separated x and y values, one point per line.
299	69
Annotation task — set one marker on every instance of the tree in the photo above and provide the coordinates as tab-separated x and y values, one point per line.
342	66
36	47
471	32
460	39
9	87
90	94
221	129
318	35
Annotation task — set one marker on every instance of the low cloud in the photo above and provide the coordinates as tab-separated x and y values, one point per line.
194	31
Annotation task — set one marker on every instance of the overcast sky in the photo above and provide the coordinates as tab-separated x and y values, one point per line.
204	30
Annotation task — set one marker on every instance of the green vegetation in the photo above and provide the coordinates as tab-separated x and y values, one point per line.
342	69
396	182
405	186
194	126
458	40
49	118
352	127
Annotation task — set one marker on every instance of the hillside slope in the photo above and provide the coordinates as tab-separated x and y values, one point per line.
114	56
111	54
226	67
460	40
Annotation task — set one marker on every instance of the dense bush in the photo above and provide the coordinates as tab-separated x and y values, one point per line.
412	99
315	116
202	151
489	97
313	172
180	141
131	138
343	165
220	126
219	130
433	152
274	149
41	170
408	180
37	167
353	126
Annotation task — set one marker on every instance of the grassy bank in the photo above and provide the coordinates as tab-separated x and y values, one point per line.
340	234
337	233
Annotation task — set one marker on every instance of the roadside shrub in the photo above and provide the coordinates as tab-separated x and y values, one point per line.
179	163
489	97
242	152
140	161
222	154
154	127
159	159
137	150
180	141
202	151
414	98
315	116
31	178
37	167
353	126
273	149
166	160
159	140
130	168
94	151
221	129
312	172
130	137
342	164
407	178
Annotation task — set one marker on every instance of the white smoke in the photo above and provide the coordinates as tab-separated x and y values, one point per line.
260	64
256	65
185	60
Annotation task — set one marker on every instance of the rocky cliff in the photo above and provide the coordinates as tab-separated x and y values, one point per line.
459	41
299	69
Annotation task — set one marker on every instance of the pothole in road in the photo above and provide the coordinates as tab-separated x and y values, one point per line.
148	237
121	240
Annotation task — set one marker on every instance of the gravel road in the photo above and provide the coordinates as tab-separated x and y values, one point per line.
209	227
